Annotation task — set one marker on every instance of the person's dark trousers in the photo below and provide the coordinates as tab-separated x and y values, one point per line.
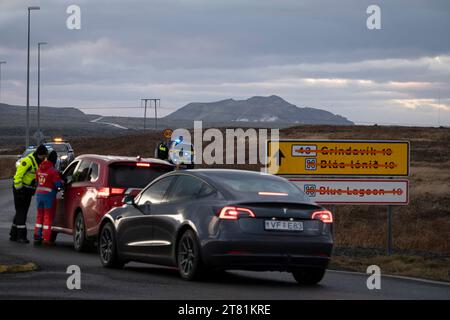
22	200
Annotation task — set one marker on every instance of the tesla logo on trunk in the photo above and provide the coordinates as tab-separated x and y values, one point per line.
284	210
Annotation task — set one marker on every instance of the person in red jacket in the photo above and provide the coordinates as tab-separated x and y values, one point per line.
49	181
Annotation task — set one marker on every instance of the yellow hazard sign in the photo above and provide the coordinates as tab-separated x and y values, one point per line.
167	133
334	157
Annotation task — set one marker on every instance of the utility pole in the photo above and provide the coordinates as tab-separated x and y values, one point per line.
27	133
145	111
39	88
1	62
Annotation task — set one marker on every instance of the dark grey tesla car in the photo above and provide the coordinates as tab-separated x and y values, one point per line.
205	219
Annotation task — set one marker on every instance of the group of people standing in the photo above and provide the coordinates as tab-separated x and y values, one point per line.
36	174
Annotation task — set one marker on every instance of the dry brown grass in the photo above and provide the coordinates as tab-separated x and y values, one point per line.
7	168
404	265
423	225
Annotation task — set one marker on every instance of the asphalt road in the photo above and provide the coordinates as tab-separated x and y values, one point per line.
140	281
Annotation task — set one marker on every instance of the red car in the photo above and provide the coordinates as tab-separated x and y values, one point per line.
94	185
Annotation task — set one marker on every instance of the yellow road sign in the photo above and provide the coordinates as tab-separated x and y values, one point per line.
338	157
167	133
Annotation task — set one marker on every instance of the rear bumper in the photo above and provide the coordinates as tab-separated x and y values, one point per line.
266	254
266	262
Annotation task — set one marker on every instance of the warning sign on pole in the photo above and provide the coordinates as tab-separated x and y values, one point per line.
334	157
355	191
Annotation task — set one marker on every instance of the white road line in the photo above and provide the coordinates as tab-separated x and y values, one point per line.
394	277
108	123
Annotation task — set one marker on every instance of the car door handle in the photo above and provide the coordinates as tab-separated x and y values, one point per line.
119	217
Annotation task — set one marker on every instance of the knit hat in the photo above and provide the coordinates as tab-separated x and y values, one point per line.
41	150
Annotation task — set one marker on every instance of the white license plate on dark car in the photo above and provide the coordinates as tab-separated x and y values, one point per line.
283	225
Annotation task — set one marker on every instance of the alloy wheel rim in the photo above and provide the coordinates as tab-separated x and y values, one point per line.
106	245
186	255
79	231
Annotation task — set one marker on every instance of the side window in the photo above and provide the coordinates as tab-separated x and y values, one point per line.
93	174
69	171
82	172
155	193
189	188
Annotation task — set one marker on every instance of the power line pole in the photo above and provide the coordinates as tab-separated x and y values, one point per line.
155	101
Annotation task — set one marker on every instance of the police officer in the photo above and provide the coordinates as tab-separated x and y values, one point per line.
162	151
23	190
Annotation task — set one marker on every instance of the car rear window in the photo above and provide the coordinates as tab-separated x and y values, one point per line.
129	175
264	184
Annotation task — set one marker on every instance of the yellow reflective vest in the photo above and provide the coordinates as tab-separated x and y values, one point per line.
26	172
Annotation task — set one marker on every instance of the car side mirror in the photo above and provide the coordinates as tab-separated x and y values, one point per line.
129	200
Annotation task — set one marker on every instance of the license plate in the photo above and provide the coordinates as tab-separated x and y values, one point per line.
284	225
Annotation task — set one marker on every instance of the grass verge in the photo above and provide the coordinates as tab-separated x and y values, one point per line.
397	264
14	268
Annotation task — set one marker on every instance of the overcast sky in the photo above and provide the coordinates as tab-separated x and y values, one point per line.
312	53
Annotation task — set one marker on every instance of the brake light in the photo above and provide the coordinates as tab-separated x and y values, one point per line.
232	213
143	164
117	191
106	192
325	216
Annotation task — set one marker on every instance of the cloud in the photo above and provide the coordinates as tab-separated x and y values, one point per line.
313	53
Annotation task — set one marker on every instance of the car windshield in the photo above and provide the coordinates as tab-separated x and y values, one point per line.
132	176
58	147
184	146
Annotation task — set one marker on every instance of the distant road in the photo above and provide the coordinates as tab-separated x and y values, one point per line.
109	123
140	281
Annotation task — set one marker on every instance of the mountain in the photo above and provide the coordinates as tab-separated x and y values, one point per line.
272	109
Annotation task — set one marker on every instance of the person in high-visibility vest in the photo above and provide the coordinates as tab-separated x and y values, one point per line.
48	182
162	151
23	190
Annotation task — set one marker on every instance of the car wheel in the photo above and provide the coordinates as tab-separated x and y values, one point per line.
80	243
107	247
190	265
309	276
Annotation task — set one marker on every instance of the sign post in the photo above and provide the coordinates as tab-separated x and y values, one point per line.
338	158
304	160
355	191
389	230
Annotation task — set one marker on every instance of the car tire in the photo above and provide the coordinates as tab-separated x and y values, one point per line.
309	276
80	242
107	248
189	261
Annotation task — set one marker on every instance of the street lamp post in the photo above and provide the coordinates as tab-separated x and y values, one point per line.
39	87
1	62
27	134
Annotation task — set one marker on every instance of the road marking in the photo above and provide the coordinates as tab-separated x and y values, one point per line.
394	277
108	123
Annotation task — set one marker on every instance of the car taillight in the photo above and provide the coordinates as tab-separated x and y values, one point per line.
325	216
106	192
233	213
143	164
264	193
